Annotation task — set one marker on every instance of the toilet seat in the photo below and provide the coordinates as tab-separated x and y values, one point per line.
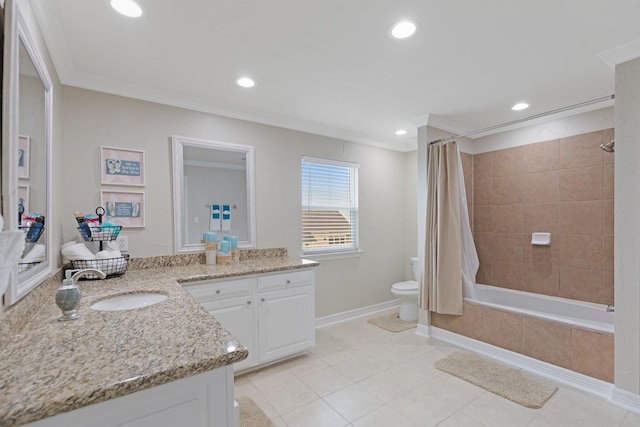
409	285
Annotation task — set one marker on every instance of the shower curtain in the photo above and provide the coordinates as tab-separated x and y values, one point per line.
451	261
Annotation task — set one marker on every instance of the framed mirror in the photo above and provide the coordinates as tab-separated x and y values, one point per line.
27	133
210	175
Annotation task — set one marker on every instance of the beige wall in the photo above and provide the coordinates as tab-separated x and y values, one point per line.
562	186
92	119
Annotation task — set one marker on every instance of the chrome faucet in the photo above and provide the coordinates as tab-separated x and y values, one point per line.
610	308
68	294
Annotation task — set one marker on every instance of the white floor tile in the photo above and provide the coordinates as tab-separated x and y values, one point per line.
315	414
573	408
353	402
384	417
496	411
289	396
632	420
325	381
461	420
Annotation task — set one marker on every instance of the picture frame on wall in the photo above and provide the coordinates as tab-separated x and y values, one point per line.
122	166
23	197
24	152
125	208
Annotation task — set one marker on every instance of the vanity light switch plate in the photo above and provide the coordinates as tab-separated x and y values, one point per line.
123	243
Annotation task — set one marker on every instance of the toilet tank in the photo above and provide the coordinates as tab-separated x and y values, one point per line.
415	267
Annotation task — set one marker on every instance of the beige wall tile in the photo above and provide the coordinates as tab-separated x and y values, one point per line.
581	183
581	217
607	217
507	190
507	247
507	218
482	192
485	273
482	218
542	187
580	251
581	150
592	354
483	166
508	274
509	161
608	253
608	181
541	272
541	157
469	324
543	217
608	288
547	341
484	245
502	329
582	284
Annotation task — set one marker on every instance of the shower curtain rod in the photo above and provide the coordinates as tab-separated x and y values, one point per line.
524	119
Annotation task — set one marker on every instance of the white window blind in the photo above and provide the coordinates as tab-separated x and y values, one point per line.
329	206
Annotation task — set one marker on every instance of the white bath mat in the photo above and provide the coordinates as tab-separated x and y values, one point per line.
510	383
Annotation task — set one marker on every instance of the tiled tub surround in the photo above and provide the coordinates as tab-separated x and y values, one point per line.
49	367
564	187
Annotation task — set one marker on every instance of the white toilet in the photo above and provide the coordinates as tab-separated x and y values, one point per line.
407	292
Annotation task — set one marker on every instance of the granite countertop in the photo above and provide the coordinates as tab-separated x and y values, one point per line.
51	367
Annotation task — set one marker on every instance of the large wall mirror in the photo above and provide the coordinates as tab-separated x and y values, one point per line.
207	174
27	117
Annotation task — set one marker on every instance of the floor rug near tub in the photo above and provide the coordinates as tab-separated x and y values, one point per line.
251	415
513	384
392	323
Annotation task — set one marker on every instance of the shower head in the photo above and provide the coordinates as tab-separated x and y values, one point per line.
608	147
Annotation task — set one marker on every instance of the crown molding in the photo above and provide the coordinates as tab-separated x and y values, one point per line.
620	54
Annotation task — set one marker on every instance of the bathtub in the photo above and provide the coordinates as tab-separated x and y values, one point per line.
572	312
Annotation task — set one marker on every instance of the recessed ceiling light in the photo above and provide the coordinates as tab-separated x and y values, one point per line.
401	132
402	29
245	82
127	8
520	106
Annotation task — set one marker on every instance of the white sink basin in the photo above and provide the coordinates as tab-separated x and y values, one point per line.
129	301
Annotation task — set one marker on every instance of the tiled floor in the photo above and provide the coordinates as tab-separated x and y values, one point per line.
362	376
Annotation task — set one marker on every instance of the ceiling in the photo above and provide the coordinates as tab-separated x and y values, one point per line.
329	67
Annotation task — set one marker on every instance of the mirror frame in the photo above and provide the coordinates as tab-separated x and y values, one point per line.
178	144
16	31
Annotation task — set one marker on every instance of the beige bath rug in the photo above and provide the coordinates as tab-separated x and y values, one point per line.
513	384
251	415
392	323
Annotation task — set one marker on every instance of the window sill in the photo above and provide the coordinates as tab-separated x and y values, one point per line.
332	255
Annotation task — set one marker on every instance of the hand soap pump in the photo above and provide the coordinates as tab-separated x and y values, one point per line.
68	294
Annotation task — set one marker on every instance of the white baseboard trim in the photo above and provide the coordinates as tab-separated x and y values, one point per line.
354	314
626	399
582	382
423	330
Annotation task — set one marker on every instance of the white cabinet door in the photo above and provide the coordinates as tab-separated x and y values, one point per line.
238	317
286	322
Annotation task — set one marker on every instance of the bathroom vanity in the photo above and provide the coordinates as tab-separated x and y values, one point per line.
163	365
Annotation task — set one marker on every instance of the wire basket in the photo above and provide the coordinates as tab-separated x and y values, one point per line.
99	233
112	267
25	266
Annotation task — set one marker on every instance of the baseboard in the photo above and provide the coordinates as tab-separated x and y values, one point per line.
423	330
585	383
354	314
626	399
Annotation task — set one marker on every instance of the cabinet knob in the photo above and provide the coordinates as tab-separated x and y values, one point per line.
288	282
217	291
261	299
248	302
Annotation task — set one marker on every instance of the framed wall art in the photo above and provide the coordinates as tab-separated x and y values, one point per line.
24	143
125	208
121	166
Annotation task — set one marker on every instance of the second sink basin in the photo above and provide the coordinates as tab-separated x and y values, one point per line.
129	301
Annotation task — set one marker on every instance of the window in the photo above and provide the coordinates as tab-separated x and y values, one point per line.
329	206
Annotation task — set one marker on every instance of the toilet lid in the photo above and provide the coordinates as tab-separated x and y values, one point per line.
406	286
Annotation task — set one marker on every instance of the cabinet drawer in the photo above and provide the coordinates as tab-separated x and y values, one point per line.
214	291
284	280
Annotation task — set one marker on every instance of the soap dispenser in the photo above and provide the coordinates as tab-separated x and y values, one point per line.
68	294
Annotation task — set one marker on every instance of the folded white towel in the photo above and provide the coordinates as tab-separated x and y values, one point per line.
76	252
36	254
